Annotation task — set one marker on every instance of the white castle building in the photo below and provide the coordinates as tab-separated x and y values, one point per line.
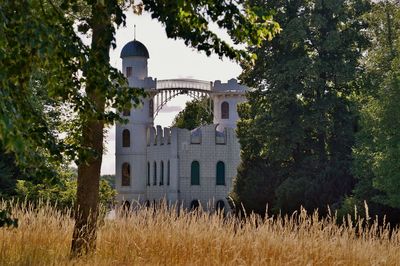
181	166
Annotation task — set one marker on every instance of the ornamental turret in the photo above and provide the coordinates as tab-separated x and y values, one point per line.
131	137
226	97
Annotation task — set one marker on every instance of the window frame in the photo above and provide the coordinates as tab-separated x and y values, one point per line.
123	176
168	173
225	110
220	180
161	173
126	139
195	180
129	71
155	173
148	174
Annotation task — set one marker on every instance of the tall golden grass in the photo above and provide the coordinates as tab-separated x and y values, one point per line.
145	237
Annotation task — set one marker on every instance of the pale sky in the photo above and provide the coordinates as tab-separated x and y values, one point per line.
168	59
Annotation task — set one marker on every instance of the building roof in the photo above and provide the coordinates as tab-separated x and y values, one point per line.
134	48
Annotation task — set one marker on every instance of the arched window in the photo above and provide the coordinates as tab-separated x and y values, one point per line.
220	206
151	108
128	72
155	174
194	205
126	174
162	173
220	173
225	110
195	173
126	138
168	173
126	112
148	173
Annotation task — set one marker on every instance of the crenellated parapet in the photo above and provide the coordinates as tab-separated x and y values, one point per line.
146	83
231	86
161	136
209	134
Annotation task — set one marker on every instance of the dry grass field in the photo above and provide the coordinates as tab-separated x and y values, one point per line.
165	238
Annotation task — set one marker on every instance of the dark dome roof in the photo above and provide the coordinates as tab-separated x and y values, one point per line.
134	48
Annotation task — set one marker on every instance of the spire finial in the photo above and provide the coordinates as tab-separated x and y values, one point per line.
134	32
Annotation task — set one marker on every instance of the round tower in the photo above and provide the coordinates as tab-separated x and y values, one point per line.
226	97
130	138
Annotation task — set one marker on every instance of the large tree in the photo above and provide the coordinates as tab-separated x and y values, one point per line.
299	122
197	112
377	163
40	38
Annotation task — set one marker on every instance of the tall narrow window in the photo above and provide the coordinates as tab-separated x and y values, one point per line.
126	174
126	138
151	108
162	173
195	173
168	173
155	174
126	112
220	173
225	110
128	72
148	173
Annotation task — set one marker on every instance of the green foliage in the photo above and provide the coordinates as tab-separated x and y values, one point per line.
60	191
110	179
46	67
7	220
190	20
58	94
298	125
256	181
8	173
196	113
377	153
53	85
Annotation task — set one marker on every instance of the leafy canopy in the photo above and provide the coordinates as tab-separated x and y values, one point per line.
298	124
196	113
377	151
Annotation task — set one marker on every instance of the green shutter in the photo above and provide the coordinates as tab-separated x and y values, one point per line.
195	173
220	173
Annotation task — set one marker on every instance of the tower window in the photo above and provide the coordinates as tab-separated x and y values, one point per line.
128	72
162	173
126	174
155	174
126	138
195	173
151	108
148	173
220	173
225	110
168	173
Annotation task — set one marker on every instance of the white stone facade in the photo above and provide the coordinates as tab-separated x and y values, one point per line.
175	164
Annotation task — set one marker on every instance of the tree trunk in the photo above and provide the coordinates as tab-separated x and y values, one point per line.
84	236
